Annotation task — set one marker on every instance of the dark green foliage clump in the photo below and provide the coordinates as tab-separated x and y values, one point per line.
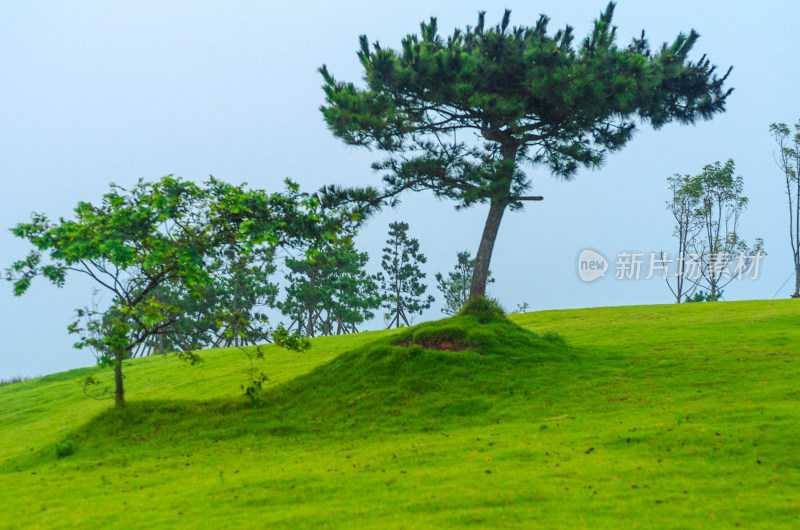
485	310
702	296
64	449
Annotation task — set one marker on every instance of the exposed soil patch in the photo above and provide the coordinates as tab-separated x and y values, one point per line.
438	345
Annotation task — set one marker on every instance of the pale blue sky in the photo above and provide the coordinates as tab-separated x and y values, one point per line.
95	92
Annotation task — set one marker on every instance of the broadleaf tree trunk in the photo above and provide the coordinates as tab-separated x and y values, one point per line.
796	245
119	390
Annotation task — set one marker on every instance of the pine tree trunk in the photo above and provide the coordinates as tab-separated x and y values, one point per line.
496	209
119	391
481	272
398	310
310	325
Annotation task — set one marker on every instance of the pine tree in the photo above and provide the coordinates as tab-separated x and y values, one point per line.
402	286
329	292
463	115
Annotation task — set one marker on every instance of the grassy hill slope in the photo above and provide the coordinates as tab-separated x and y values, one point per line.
653	416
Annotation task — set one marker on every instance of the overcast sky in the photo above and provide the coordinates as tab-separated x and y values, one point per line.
95	92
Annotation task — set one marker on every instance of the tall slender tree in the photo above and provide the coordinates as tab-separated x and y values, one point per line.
401	285
682	206
463	116
788	161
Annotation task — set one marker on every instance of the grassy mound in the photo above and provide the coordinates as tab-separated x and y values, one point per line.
425	376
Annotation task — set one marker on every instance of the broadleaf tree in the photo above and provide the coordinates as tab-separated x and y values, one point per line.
717	196
788	160
401	282
463	116
137	241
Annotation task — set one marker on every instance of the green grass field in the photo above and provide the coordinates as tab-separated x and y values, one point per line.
680	416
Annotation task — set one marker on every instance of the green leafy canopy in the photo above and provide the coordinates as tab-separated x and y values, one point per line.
159	235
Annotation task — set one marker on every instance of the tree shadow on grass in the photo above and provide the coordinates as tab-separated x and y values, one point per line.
394	385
